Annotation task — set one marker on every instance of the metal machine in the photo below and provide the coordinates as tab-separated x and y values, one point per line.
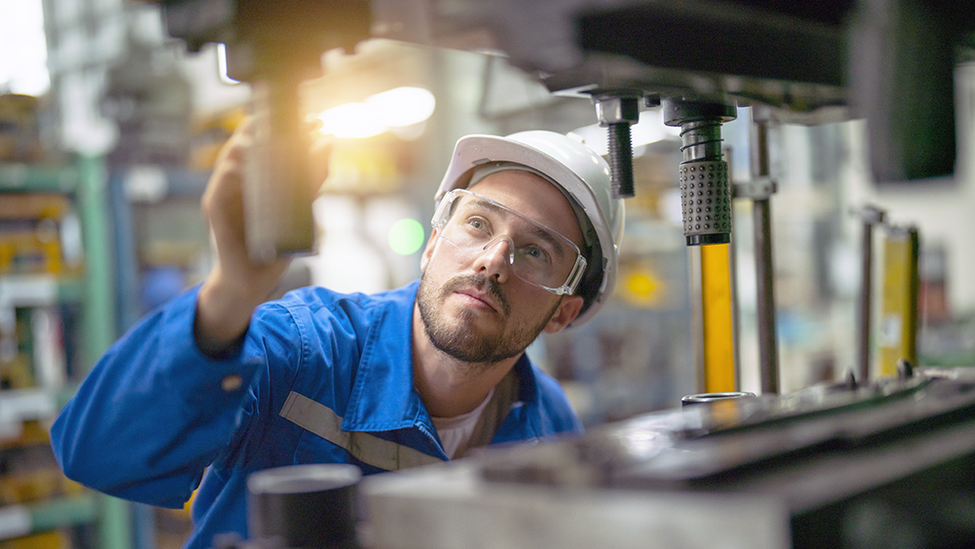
274	47
870	463
700	58
884	465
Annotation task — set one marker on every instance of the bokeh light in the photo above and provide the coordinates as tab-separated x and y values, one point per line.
406	236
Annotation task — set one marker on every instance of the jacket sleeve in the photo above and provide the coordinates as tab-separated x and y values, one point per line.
154	412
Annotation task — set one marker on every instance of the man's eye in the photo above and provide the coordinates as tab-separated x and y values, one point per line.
477	224
535	253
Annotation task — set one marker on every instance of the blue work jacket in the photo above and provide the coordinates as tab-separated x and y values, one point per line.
321	377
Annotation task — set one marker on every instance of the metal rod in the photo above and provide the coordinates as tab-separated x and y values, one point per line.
764	267
701	140
866	288
765	298
870	216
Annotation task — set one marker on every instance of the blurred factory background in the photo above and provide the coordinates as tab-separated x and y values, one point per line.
108	127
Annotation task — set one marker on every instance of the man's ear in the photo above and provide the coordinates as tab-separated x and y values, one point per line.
567	311
428	250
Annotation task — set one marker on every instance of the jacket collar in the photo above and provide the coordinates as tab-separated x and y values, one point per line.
383	397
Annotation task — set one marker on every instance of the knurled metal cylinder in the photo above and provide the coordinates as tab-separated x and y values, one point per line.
705	202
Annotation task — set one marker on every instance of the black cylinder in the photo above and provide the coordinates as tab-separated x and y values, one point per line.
704	191
705	202
304	506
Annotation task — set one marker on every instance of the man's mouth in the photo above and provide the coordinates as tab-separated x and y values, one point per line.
482	290
482	297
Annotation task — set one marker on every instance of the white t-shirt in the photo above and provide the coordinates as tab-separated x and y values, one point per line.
455	431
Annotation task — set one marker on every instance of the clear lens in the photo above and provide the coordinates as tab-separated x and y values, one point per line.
537	254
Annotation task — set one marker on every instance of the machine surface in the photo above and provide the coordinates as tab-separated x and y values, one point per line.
889	464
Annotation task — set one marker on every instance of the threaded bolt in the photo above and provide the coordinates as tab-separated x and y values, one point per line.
618	112
621	160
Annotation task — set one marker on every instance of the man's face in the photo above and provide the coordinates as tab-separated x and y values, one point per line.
473	307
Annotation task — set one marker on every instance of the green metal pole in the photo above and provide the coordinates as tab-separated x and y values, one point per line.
98	316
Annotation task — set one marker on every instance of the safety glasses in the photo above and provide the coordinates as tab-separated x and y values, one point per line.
536	254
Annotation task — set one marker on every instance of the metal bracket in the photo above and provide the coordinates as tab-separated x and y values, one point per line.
759	189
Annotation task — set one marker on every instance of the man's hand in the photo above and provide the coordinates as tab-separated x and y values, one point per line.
237	284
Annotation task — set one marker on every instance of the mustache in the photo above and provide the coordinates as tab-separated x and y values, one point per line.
482	283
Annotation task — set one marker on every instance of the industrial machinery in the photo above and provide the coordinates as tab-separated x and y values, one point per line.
867	463
300	506
274	47
890	62
839	466
700	58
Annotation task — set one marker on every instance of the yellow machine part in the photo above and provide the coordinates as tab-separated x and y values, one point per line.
899	304
719	363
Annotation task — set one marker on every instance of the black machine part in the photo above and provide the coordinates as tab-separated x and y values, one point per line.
303	506
617	111
704	192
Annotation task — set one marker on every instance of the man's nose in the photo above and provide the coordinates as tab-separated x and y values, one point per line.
494	260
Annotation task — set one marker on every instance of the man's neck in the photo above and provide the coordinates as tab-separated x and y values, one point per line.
447	386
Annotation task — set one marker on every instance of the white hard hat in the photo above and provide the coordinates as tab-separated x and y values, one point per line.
579	172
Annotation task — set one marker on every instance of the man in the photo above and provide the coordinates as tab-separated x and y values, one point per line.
216	382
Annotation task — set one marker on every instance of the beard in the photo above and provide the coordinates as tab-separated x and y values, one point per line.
458	338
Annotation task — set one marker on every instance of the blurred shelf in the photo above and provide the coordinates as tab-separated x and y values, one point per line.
43	402
94	328
21	520
38	178
35	290
148	184
18	405
59	513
